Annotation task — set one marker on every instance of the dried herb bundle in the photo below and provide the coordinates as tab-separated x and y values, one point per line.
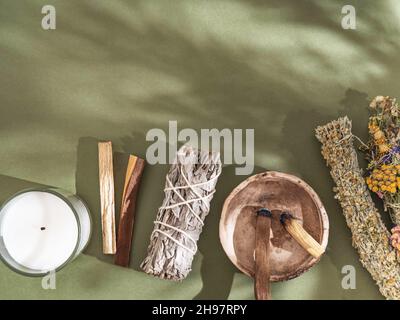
383	153
190	185
370	236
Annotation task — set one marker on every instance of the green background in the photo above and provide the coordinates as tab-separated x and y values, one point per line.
115	69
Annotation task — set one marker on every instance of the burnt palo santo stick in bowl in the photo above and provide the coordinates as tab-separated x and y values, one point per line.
262	246
262	289
293	226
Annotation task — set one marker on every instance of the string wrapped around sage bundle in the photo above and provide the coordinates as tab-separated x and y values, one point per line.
189	188
370	236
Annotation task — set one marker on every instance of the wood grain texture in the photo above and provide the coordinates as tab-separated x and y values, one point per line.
302	236
262	288
106	179
133	176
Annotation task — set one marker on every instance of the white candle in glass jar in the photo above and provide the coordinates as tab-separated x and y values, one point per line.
40	231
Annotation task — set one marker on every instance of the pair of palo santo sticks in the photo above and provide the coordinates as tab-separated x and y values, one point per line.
121	247
262	289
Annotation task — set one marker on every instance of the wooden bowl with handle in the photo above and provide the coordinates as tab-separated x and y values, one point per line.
286	258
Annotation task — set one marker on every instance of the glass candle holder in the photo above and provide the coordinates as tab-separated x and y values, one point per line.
42	230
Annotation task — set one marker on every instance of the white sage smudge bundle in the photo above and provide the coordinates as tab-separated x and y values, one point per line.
370	236
189	188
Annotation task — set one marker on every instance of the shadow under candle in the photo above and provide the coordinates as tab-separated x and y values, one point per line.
10	185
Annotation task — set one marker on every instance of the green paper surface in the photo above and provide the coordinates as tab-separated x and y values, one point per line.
113	70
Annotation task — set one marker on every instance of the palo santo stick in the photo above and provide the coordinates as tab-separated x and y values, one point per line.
134	173
262	288
106	178
301	236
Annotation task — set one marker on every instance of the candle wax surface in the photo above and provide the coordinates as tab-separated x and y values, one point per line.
39	230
